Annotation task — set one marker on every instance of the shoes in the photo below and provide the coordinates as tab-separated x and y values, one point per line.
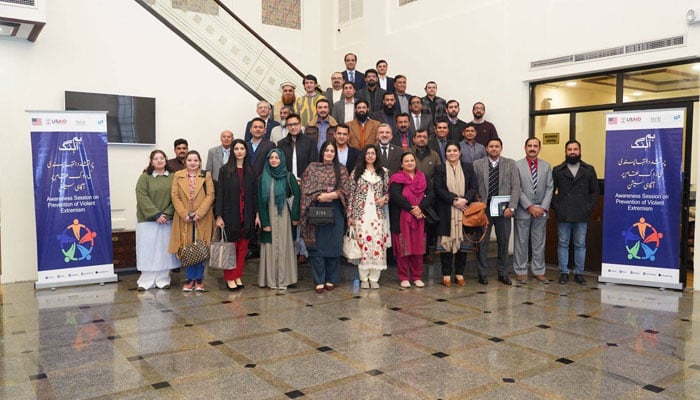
282	288
405	284
543	279
505	280
176	270
199	286
563	278
319	289
166	286
374	284
578	278
460	281
419	283
301	259
483	280
234	288
447	281
141	289
329	287
521	279
189	285
364	284
252	253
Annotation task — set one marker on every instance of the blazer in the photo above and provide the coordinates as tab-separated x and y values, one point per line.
426	122
257	157
181	233
339	110
371	127
444	198
306	152
528	195
328	94
396	139
269	124
227	204
215	160
353	155
435	146
576	195
359	79
389	84
508	179
393	161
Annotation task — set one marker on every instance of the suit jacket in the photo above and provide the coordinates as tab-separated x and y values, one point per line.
339	110
389	84
508	179
269	124
393	161
359	79
528	195
426	122
444	198
328	94
215	160
257	157
386	119
306	152
435	146
353	155
396	139
356	133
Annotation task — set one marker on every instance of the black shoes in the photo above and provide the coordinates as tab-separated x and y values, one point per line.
563	278
578	278
483	280
505	280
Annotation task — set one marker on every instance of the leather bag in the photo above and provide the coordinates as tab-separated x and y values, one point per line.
223	252
193	253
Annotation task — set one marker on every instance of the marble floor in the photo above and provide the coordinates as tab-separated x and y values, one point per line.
530	341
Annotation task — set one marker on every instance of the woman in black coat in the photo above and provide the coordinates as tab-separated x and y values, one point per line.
455	186
235	207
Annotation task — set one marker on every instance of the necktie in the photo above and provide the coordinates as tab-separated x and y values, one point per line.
417	122
226	154
385	152
404	140
533	171
442	149
493	180
352	76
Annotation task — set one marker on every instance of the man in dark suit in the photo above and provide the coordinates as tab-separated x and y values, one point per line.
536	190
419	118
385	82
347	155
402	137
264	111
371	93
258	147
388	112
351	74
497	176
438	141
389	154
299	150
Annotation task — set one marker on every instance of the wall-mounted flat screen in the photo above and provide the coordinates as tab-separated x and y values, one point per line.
130	119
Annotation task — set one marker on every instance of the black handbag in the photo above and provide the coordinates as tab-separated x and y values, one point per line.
320	216
431	216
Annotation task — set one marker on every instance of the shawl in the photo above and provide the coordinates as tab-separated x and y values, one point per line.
319	178
278	175
455	184
413	190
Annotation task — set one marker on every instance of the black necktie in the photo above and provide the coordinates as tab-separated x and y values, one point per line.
493	180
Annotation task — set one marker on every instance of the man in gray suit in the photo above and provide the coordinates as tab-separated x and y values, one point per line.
497	176
344	110
536	190
218	156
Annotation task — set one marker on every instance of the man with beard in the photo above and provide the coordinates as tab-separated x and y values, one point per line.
265	113
438	141
344	110
420	118
287	99
456	125
484	129
371	93
403	137
433	104
363	131
402	98
426	158
305	107
350	74
576	185
317	128
387	114
385	82
280	131
180	147
389	154
335	92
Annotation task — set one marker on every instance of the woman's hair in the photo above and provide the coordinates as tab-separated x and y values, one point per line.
195	152
231	166
362	163
149	169
336	163
452	143
407	153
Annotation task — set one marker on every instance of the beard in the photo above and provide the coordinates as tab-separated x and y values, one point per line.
288	99
388	110
573	159
362	117
478	115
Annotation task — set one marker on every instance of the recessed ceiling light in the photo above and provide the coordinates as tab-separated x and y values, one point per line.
696	67
571	84
636	94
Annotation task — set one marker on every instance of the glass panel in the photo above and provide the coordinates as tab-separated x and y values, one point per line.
694	158
553	131
575	93
662	83
590	132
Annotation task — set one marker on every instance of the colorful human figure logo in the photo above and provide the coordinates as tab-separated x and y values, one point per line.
77	242
642	241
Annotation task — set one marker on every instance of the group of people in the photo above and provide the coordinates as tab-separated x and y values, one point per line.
399	170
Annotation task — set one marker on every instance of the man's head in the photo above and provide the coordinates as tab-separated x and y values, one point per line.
284	113
400	84
403	122
415	105
494	147
263	109
573	151
288	95
469	134
382	67
257	128
371	77
181	148
348	90
226	139
293	124
389	101
384	134
323	107
342	135
478	110
532	147
350	61
431	89
361	110
452	109
337	81
420	139
442	128
309	83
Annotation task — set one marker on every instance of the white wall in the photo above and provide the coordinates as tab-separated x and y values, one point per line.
108	47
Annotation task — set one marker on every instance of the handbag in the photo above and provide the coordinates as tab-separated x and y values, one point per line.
475	215
222	252
193	253
320	216
431	216
351	249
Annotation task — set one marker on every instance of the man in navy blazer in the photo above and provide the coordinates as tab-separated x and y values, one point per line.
351	74
347	155
385	82
258	147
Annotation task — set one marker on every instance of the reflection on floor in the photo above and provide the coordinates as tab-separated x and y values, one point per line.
530	341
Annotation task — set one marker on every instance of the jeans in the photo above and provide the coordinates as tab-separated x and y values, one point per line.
194	272
579	231
325	269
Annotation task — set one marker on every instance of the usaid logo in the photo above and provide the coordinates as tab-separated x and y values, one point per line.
56	121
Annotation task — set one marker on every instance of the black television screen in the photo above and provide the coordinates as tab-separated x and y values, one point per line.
130	119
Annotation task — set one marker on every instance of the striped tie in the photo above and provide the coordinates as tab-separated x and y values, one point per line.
533	171
493	180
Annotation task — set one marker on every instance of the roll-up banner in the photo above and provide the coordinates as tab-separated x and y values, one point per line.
642	204
71	198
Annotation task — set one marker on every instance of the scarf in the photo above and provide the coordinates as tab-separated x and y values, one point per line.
455	184
276	176
413	191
